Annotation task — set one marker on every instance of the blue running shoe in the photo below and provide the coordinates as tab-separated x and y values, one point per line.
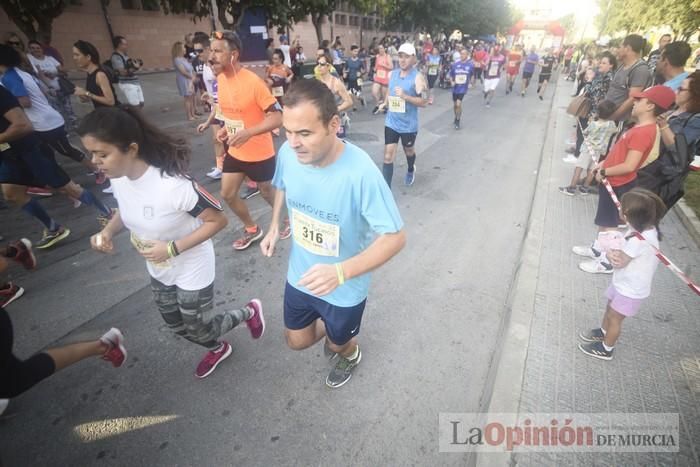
410	177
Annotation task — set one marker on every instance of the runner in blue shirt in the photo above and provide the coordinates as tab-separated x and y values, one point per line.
461	73
531	62
408	90
345	224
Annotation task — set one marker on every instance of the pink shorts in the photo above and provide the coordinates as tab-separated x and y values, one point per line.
624	305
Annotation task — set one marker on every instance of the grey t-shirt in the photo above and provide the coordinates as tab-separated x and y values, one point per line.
635	76
119	63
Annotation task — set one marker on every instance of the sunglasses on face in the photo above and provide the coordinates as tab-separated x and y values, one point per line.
198	51
322	63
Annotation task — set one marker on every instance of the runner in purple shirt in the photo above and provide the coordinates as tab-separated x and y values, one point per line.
531	62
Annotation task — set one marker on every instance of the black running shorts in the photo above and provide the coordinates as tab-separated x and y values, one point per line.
261	171
408	140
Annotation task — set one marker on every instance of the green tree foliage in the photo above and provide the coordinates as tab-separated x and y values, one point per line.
568	22
682	16
470	16
34	17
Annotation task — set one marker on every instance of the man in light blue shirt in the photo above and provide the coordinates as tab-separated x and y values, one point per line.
408	90
671	65
345	223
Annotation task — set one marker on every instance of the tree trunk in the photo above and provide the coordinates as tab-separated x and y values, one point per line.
221	13
318	27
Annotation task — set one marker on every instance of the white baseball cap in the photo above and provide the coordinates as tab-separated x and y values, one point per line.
407	49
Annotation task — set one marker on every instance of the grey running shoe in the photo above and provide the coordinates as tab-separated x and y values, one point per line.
596	350
594	335
342	371
50	238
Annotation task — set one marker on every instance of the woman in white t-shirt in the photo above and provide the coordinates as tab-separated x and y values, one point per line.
171	220
634	261
49	69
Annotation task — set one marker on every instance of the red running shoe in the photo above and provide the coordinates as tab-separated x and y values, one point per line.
212	359
256	322
117	353
24	255
9	293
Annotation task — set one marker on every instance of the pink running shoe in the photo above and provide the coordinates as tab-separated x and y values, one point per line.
256	322
212	359
117	353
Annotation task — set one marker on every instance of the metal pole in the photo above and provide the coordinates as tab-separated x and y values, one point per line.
103	4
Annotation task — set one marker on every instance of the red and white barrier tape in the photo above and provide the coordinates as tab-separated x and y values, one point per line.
667	262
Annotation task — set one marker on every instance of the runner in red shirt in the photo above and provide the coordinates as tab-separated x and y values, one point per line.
515	57
480	56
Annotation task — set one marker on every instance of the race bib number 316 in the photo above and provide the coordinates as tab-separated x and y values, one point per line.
315	236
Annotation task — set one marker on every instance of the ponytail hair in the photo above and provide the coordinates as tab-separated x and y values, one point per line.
643	209
122	127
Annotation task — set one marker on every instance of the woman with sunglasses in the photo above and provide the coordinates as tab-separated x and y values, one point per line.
49	70
342	96
14	41
685	119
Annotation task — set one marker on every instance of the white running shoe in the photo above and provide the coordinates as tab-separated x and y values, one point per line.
570	159
595	267
585	251
215	173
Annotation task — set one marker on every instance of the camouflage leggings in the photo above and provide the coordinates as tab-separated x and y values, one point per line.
189	313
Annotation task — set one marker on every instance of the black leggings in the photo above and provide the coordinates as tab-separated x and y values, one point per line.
57	140
17	376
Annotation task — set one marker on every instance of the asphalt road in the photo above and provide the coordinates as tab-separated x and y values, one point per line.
428	337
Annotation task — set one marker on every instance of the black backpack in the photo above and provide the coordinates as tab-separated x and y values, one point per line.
110	71
667	174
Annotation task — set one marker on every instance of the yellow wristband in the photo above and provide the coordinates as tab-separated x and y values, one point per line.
171	250
339	271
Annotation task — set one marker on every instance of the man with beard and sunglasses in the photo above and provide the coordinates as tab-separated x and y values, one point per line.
249	112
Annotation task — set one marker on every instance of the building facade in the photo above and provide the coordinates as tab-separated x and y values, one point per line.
151	33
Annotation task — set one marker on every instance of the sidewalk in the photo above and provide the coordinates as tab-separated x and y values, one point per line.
657	358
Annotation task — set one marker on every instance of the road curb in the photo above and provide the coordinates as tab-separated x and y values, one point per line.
688	219
510	364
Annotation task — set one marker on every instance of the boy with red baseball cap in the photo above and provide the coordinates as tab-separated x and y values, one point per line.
630	153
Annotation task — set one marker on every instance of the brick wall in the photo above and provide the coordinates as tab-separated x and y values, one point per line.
151	34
